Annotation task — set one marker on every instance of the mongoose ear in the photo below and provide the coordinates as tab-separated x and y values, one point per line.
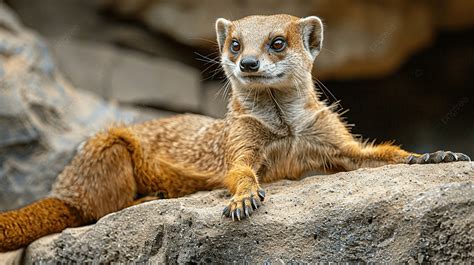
312	34
222	29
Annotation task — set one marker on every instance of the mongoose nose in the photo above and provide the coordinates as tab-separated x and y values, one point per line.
249	64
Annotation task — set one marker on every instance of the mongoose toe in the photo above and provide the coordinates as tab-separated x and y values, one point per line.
438	157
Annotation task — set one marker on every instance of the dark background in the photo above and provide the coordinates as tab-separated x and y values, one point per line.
427	104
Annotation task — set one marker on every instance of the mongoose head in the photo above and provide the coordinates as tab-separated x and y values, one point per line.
269	51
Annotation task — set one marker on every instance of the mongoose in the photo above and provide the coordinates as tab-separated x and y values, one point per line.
276	127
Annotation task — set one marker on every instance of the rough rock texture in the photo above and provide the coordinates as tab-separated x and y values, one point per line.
42	117
363	38
420	213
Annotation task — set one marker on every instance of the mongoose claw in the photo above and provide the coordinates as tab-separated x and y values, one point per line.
242	206
254	203
226	212
247	212
437	157
237	214
463	157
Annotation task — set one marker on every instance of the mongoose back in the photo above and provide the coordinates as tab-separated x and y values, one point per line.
276	127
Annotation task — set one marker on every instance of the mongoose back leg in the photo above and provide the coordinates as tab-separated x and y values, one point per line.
100	179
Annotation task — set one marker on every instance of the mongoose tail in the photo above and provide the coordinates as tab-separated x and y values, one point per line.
20	227
99	181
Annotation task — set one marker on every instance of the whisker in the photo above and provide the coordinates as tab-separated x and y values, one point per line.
203	39
327	89
333	52
206	58
226	89
274	99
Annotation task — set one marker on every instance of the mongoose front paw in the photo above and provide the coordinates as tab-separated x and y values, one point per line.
437	157
241	206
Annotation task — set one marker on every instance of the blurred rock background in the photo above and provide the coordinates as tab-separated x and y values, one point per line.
404	69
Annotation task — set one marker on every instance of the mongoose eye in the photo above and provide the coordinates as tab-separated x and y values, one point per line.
278	44
235	46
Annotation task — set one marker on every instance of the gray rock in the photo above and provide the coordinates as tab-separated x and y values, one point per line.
86	64
394	214
214	99
136	78
12	258
66	21
42	116
62	19
130	77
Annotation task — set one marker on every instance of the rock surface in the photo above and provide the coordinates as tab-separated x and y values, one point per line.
394	214
42	116
362	38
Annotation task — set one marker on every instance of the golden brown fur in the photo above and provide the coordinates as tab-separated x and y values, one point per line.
41	218
276	128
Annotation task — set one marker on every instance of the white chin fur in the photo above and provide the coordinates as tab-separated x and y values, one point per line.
259	81
256	80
